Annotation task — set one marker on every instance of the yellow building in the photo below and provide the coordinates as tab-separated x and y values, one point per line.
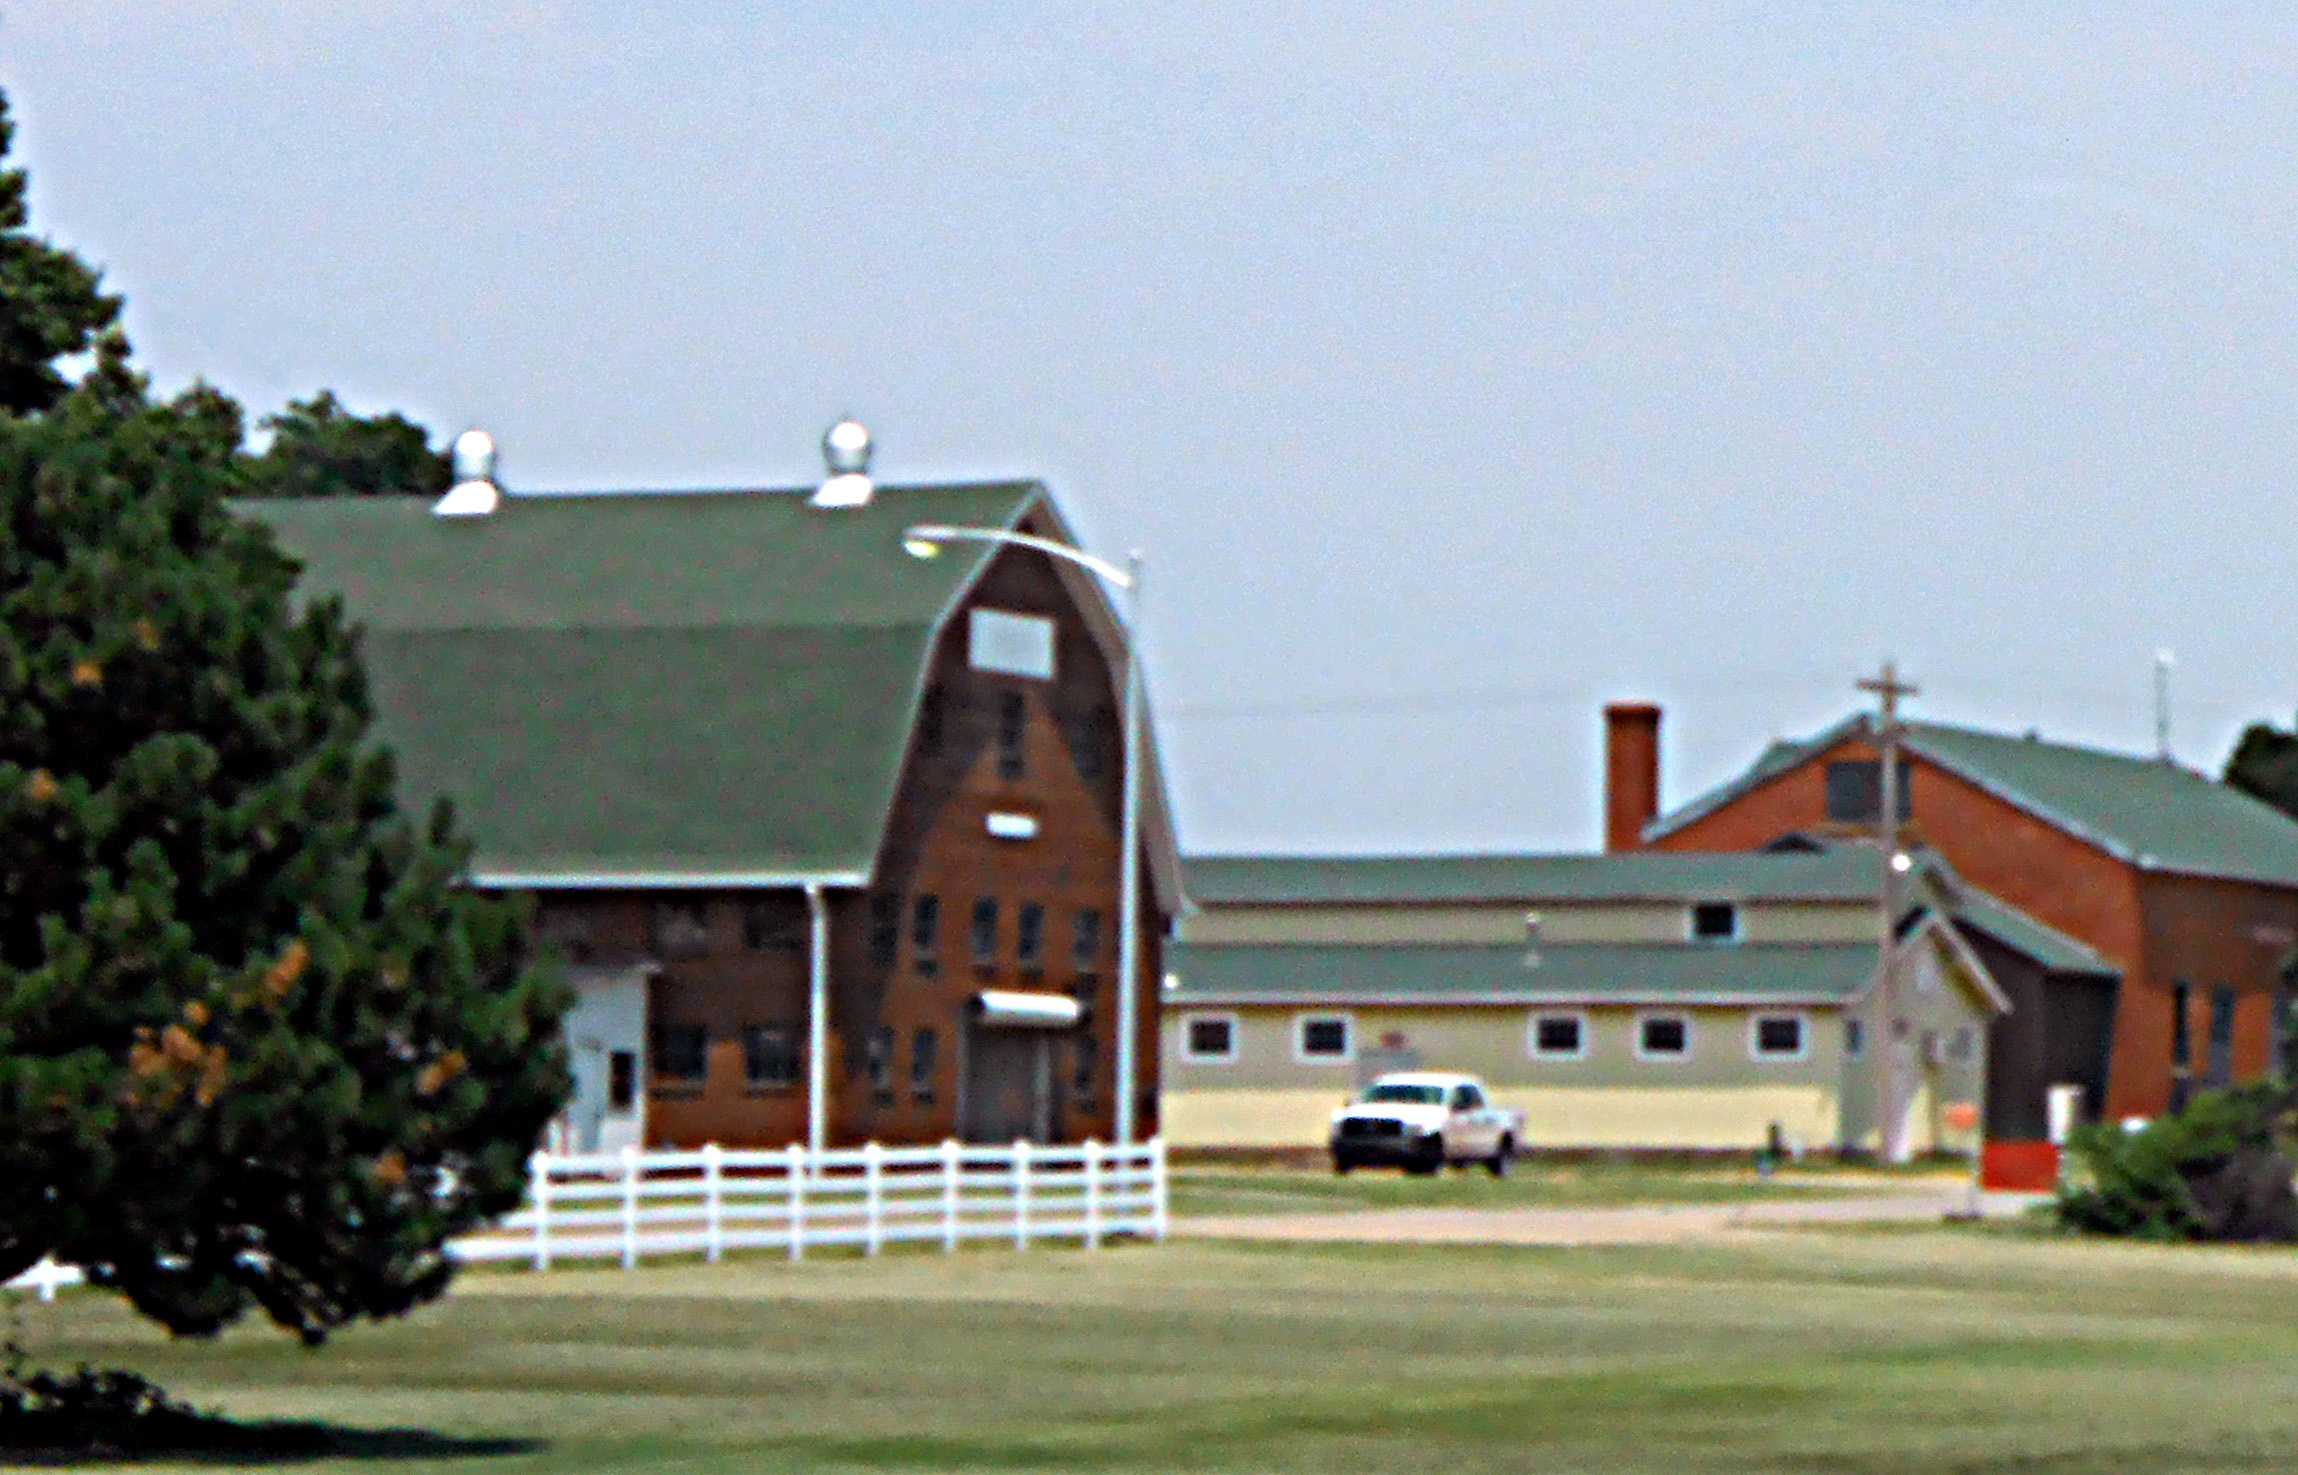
1643	1001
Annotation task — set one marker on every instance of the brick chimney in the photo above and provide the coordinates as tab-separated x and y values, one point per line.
1631	773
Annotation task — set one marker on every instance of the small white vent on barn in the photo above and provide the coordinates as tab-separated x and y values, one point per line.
846	451
1009	826
474	493
1016	645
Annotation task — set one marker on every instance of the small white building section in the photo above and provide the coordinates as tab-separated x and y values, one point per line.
606	1047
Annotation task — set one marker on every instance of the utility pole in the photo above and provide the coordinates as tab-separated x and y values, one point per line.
2162	705
1891	1115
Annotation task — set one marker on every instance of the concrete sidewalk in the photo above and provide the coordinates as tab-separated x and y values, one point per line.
1636	1225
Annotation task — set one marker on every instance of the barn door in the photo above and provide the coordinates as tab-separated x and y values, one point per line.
1008	1085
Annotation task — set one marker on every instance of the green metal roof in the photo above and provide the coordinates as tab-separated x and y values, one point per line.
1581	973
1976	910
2152	814
650	687
1844	873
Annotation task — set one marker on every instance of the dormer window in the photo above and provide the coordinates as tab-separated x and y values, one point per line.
1715	921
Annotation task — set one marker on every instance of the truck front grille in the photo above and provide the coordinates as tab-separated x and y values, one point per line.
1368	1127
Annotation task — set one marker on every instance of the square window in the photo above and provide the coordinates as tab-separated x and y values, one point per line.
1855	790
1559	1037
1209	1037
1323	1038
679	929
682	1051
773	926
769	1057
1663	1037
1009	642
1715	921
1778	1037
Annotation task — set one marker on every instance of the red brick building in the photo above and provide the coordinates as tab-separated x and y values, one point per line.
748	755
2189	888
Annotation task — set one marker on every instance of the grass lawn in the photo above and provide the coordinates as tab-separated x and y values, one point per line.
1812	1353
1534	1184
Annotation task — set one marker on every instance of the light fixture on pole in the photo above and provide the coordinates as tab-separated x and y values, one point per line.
925	540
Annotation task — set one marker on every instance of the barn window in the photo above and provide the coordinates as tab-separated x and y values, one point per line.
1663	1037
1715	921
1777	1037
984	931
925	1055
621	1080
925	928
1323	1038
1209	1038
769	1056
1088	1054
1085	938
1559	1037
1854	1039
1855	788
878	1063
772	926
679	928
885	927
1012	717
1014	645
682	1051
1029	935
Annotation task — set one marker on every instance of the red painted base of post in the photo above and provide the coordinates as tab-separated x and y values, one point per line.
2019	1167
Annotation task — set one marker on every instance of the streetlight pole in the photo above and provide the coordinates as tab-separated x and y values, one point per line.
925	541
1891	1124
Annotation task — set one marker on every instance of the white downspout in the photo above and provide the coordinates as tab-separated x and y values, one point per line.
817	1018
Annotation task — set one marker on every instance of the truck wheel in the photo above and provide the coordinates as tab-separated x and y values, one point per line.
1427	1163
1341	1165
1497	1164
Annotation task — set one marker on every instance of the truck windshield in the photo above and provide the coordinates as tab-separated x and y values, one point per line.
1413	1095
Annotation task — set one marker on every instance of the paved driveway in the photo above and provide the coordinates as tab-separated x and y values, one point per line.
1650	1224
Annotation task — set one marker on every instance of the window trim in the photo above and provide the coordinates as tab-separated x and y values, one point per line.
1761	1056
1532	1050
1663	1057
1301	1023
1191	1054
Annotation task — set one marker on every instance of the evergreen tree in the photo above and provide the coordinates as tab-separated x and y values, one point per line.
2264	765
319	449
258	1047
51	302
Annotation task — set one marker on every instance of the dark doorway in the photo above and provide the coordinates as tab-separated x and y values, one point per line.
1008	1085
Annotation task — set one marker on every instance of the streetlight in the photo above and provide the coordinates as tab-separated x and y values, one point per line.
925	540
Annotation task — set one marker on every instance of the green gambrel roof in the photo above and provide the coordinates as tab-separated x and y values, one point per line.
651	686
1835	874
1581	973
1977	910
2155	815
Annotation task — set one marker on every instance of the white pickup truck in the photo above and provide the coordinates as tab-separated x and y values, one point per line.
1420	1120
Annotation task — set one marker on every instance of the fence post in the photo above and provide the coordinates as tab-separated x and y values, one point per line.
629	1207
1021	1193
873	1223
797	1170
1157	1187
1092	1194
713	1214
539	1203
949	1195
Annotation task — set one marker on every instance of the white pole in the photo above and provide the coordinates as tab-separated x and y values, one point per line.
713	1233
1092	1194
872	1219
629	1207
539	1201
1157	1188
949	1195
797	1202
1021	1193
1129	865
817	1018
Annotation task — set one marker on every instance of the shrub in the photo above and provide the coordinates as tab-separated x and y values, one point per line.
2221	1169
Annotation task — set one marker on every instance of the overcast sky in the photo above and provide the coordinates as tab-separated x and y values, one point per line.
1457	367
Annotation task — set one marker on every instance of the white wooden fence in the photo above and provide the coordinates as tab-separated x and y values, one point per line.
628	1205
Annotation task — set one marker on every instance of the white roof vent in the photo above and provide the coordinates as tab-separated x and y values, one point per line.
474	493
846	450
